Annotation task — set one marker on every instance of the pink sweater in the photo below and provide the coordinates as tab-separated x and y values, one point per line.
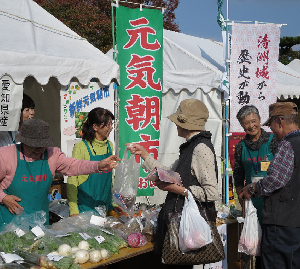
58	162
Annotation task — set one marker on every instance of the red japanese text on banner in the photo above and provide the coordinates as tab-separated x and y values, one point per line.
139	43
253	69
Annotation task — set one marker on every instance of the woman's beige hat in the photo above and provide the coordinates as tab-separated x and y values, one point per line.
191	114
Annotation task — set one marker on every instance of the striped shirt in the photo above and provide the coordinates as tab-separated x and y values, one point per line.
280	170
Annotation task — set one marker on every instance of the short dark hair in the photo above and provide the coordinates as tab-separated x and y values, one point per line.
27	102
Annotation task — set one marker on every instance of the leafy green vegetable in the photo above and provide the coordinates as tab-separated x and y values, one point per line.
72	239
64	263
9	242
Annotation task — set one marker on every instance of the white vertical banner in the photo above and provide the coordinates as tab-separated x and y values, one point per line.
10	104
253	69
76	103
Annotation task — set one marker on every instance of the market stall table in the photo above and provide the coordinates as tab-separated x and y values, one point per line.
125	253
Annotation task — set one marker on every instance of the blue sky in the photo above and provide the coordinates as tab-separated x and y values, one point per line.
199	17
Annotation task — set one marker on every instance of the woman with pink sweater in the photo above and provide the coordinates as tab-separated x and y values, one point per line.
27	170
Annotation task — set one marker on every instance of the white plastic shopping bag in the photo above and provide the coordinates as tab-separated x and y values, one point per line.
194	231
250	239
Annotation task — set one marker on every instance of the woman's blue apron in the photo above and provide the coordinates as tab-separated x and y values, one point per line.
252	165
31	184
96	190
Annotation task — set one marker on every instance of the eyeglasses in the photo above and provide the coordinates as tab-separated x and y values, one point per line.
110	124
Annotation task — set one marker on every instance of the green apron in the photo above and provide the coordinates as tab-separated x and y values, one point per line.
31	183
252	169
96	190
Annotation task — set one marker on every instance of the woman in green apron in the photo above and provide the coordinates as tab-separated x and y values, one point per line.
27	171
87	192
252	154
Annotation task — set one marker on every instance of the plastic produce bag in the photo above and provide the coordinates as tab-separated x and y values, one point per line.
194	231
250	239
126	182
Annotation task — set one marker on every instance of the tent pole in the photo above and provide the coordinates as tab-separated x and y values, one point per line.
227	111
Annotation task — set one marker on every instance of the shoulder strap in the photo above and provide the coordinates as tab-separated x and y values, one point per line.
88	148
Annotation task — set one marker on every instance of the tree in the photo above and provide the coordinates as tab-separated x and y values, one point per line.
91	19
286	52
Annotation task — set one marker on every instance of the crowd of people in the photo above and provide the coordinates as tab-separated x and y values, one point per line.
266	171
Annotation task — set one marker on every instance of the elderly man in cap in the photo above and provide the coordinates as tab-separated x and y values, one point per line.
196	165
280	246
27	170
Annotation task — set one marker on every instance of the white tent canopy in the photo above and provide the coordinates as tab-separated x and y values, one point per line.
34	43
42	54
295	65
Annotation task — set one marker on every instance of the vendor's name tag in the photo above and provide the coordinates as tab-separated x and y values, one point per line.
264	166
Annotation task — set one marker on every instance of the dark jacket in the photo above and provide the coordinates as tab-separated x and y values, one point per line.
281	208
184	169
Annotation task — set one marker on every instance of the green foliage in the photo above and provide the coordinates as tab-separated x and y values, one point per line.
286	53
91	19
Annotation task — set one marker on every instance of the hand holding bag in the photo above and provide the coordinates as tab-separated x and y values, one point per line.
210	253
194	231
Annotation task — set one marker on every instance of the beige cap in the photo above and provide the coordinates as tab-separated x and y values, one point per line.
191	114
281	109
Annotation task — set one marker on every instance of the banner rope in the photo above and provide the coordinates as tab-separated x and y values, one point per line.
120	1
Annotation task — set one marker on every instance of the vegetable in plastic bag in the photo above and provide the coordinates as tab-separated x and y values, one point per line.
95	256
64	249
81	256
135	240
194	231
126	182
250	238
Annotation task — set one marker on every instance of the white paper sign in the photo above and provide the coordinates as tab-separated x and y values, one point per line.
10	104
76	102
38	232
96	220
8	257
19	232
85	236
100	239
54	257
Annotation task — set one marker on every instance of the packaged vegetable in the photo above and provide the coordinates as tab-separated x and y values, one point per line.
135	240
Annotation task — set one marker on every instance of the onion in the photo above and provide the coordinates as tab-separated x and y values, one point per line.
64	250
84	245
81	256
95	256
104	254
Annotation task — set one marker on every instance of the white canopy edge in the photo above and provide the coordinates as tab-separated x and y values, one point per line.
35	43
288	83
